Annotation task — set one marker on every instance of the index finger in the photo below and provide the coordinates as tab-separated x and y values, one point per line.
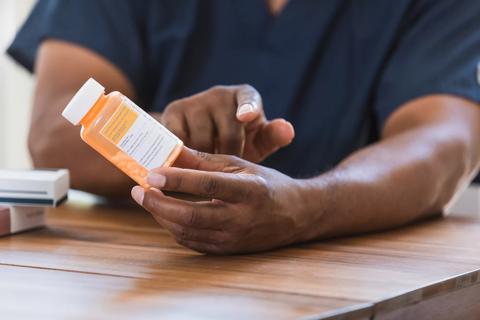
217	185
249	104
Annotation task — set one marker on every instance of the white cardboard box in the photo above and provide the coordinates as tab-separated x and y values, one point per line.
15	219
34	187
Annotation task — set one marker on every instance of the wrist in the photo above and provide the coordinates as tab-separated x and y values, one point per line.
314	203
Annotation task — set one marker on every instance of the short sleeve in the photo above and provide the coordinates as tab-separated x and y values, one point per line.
437	52
112	29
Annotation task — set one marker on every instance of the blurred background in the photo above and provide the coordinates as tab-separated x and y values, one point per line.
16	86
16	90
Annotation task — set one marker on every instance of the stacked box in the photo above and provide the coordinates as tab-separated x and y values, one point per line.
24	195
34	187
15	219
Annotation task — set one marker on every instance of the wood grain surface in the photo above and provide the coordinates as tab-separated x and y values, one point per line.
107	261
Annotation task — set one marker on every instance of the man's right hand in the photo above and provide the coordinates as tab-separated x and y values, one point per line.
227	120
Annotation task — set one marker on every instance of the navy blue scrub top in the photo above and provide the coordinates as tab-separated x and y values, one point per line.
335	69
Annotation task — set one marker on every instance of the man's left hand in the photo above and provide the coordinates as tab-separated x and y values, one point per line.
252	208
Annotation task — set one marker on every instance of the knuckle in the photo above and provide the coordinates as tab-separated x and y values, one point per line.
174	182
234	161
171	123
197	110
174	106
208	186
200	128
191	216
245	194
170	115
183	234
203	155
224	95
261	189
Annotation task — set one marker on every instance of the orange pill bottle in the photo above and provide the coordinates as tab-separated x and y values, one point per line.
121	131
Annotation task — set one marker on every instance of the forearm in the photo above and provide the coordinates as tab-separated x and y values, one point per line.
61	69
398	180
54	143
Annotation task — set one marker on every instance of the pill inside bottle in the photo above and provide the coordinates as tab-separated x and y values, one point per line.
121	131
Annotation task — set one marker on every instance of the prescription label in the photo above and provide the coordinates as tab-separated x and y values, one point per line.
140	136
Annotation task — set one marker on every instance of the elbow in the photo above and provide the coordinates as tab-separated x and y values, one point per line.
43	145
50	135
455	170
39	148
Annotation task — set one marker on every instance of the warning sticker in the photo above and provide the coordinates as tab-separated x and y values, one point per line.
140	136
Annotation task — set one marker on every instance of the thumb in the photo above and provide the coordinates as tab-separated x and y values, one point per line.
196	160
249	104
276	134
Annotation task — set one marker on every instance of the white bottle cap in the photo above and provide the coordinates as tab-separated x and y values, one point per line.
83	101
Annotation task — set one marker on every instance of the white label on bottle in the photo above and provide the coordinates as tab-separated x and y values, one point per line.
140	136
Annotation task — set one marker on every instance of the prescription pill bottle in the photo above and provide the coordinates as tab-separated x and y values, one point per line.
121	131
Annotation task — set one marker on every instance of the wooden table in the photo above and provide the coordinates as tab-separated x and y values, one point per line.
104	262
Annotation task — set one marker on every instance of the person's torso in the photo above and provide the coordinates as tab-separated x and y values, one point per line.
317	64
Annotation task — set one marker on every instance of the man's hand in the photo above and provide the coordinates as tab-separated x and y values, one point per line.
429	150
227	120
253	208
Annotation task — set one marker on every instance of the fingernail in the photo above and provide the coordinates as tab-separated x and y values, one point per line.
156	180
137	194
245	108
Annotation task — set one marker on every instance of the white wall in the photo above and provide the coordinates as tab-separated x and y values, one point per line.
15	90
